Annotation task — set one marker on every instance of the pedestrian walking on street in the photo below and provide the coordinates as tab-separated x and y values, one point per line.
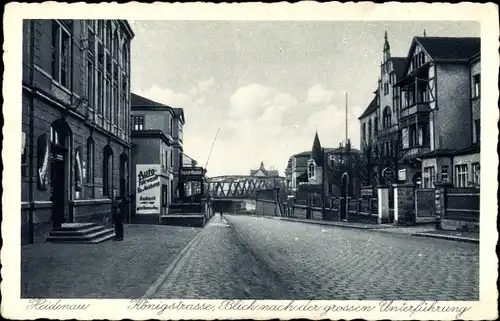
221	214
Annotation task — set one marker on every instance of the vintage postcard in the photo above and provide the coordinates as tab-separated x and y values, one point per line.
250	161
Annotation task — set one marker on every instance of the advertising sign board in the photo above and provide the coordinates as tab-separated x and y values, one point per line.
148	189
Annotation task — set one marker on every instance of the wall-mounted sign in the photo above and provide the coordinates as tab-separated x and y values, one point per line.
148	189
191	171
402	175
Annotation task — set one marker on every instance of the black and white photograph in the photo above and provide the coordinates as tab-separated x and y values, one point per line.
229	161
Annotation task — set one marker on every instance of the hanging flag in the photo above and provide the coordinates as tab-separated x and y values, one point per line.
43	156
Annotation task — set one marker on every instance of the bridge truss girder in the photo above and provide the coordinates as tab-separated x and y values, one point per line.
240	186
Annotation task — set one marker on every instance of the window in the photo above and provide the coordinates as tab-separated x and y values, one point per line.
100	29
386	120
386	88
172	159
364	133
429	176
393	78
294	162
444	174
461	175
405	138
171	125
107	99
418	60
413	135
370	130
107	177
60	54
90	160
477	129
376	125
138	122
476	174
90	84
100	92
477	86
311	170
166	159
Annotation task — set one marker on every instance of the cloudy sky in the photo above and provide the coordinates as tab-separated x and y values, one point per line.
267	85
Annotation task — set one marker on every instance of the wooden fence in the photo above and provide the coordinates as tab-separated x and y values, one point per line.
462	204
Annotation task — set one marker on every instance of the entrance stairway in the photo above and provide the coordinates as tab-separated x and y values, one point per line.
80	233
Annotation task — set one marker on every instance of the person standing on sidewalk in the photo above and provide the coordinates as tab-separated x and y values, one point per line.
118	210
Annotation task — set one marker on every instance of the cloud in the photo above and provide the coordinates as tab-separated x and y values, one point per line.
330	123
319	94
248	101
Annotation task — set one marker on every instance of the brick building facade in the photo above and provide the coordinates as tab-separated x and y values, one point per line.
75	122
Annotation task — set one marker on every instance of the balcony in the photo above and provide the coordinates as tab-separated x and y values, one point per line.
416	150
388	130
414	109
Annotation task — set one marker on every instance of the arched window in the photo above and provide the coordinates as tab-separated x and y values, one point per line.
107	172
90	161
386	120
311	170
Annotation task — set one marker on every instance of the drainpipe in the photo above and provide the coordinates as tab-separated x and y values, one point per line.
32	179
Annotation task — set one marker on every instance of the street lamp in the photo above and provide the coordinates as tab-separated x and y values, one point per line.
346	175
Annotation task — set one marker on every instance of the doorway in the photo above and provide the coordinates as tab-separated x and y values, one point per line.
58	187
59	143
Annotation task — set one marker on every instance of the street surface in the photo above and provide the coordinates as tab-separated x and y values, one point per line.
243	257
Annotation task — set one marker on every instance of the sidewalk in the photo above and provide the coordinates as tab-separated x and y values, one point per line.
110	269
427	230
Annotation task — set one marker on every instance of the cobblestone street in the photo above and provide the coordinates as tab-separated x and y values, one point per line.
253	257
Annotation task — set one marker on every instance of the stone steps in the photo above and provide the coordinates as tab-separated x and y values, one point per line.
80	233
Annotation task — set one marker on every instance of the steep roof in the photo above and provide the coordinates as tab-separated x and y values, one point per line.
399	64
316	152
450	48
139	101
372	107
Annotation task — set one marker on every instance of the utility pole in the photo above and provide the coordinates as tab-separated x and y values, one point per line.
323	196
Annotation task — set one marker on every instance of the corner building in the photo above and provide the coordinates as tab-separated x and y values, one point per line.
75	122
